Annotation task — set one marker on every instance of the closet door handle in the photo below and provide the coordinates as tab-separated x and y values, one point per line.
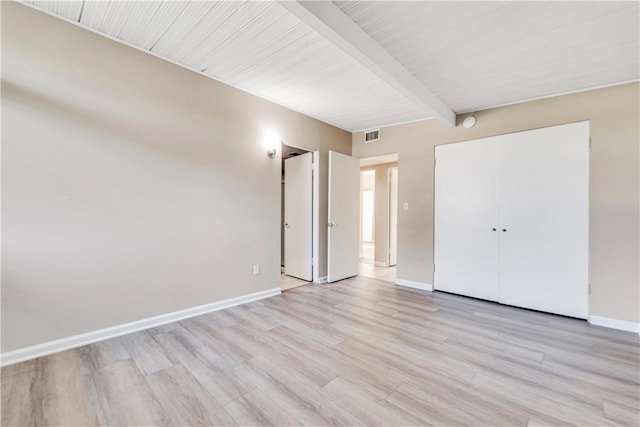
494	229
504	230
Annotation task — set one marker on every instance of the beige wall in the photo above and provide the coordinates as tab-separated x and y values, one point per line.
131	187
614	185
381	211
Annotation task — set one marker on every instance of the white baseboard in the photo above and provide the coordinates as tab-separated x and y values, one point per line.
38	350
415	285
380	264
623	325
322	279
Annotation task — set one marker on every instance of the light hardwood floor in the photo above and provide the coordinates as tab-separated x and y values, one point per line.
357	352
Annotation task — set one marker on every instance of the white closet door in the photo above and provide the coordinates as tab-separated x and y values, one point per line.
544	205
466	245
298	216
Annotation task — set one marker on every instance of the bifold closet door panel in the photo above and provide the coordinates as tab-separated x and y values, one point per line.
466	247
544	207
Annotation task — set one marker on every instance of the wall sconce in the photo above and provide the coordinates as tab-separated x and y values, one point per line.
272	141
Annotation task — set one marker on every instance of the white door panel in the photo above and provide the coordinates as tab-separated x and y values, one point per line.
298	205
544	196
343	217
533	187
466	245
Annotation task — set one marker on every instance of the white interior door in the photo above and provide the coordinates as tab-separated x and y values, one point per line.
393	216
544	206
343	218
298	216
466	240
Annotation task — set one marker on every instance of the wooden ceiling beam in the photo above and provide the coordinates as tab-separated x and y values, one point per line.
331	23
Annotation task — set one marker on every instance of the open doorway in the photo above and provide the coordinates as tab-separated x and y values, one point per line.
378	217
298	229
367	216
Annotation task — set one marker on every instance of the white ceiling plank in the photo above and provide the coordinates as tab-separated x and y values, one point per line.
328	20
471	55
476	55
69	9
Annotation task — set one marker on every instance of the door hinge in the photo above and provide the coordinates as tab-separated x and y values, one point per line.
589	142
434	268
589	288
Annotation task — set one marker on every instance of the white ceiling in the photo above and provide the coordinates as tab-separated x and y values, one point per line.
475	55
470	55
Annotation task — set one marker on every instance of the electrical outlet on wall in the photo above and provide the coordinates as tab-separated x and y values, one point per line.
256	269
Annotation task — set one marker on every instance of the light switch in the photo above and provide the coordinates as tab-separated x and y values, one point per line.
405	206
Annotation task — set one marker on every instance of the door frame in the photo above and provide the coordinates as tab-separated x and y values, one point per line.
315	209
389	209
389	158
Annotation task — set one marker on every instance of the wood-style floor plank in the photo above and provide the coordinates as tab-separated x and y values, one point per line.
184	400
125	397
358	352
258	409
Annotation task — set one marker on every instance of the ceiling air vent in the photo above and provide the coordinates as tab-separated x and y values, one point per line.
371	136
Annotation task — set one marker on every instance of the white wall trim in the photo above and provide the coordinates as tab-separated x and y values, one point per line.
415	285
380	264
622	325
322	279
38	350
